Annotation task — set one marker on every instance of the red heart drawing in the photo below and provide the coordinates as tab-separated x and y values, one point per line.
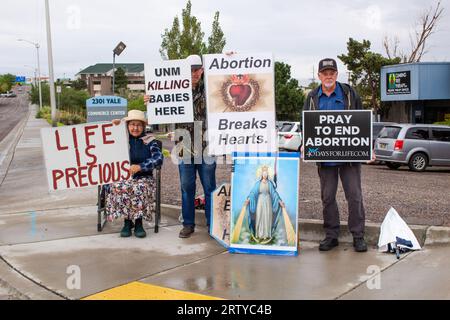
240	93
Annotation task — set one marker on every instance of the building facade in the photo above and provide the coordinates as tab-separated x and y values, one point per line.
416	92
99	77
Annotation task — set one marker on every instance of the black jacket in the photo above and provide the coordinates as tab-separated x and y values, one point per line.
353	101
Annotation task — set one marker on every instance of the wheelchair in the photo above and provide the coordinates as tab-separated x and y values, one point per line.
102	193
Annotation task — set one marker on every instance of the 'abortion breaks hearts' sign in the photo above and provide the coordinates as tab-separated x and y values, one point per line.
240	99
85	155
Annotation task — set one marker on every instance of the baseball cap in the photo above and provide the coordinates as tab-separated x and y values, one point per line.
195	61
327	63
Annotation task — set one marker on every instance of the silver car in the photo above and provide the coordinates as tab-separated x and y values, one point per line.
290	136
415	145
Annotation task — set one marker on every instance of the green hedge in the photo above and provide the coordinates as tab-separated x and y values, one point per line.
445	123
63	117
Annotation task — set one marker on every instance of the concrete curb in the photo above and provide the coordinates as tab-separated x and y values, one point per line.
10	142
21	288
312	230
437	235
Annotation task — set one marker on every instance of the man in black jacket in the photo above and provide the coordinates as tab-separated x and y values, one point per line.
333	95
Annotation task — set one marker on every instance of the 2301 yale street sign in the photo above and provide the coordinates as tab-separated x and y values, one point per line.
337	136
106	108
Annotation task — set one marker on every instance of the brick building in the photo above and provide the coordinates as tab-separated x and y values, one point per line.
99	77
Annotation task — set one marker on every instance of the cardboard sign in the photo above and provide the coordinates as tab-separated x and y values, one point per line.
337	136
169	86
264	204
85	155
106	108
240	99
220	214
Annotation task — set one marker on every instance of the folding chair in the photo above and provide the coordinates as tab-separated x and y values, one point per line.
102	193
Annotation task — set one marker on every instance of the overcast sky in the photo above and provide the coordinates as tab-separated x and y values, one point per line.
297	32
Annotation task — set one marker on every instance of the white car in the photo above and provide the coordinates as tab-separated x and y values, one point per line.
290	136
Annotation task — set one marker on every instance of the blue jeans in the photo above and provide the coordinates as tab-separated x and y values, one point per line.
207	174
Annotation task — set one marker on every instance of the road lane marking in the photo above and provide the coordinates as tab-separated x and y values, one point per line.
143	291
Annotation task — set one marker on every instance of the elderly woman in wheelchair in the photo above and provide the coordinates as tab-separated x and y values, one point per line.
134	199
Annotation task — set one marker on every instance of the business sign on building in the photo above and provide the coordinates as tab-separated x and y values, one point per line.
106	108
398	83
85	155
168	84
240	100
337	136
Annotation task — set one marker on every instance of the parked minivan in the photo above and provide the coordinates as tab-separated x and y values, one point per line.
377	127
415	145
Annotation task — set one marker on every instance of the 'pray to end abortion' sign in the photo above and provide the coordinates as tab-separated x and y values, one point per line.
337	136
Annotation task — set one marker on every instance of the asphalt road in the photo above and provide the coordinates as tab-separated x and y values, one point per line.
419	197
12	110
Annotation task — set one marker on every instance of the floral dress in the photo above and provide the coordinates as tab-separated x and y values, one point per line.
135	198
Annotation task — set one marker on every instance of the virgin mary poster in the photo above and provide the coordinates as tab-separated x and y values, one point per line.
264	203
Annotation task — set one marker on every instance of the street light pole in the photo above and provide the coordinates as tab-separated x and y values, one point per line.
50	64
35	74
114	74
117	51
39	75
39	69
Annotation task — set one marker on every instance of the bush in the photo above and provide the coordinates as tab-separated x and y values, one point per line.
137	104
71	100
63	117
44	113
445	123
69	119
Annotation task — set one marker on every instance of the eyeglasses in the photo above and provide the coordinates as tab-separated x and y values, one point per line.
136	125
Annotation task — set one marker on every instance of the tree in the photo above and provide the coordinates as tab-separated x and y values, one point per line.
79	84
7	81
180	43
71	100
289	98
34	94
425	27
365	67
312	85
121	80
137	104
216	41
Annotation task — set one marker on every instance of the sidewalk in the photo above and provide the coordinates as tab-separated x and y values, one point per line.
45	237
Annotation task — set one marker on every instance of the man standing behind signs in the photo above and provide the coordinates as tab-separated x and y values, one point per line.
190	146
333	95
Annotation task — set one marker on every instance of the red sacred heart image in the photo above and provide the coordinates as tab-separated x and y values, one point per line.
240	93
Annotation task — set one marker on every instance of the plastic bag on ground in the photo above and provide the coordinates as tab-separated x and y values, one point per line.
394	227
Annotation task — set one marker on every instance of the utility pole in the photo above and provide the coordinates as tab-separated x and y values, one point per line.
50	64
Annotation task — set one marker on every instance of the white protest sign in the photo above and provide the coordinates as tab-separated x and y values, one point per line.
240	99
85	155
169	86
